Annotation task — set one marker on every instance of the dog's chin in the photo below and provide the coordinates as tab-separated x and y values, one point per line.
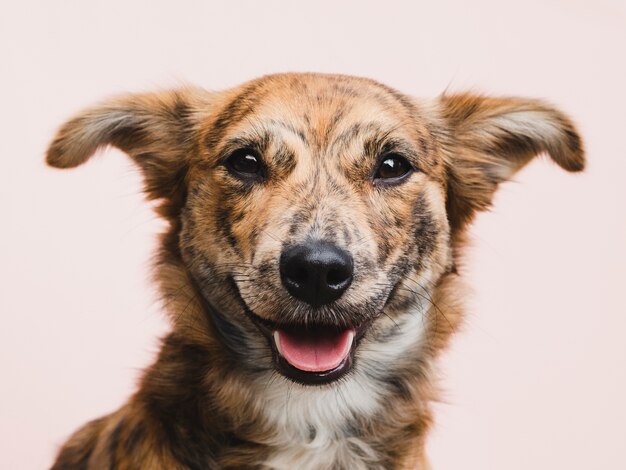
310	354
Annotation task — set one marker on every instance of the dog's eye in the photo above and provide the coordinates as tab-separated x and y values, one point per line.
393	167
244	162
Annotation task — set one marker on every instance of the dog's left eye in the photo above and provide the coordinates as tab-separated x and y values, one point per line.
244	162
393	167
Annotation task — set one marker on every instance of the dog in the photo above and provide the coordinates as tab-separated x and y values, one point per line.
309	268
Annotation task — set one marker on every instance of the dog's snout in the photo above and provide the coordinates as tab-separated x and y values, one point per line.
316	272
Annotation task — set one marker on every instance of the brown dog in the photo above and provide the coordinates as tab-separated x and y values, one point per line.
309	265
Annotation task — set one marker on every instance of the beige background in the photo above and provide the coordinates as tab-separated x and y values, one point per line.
536	380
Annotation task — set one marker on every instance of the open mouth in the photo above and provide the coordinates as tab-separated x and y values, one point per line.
318	350
312	354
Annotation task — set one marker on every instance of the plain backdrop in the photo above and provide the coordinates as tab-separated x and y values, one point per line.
537	377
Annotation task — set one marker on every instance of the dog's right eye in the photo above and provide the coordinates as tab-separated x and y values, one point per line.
245	162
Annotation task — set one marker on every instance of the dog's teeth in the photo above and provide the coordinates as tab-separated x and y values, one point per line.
277	342
351	335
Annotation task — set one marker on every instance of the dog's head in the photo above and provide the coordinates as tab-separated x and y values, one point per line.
315	215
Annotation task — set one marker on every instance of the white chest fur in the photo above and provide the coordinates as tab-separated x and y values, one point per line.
313	429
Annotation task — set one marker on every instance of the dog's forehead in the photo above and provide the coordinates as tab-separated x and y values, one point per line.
316	108
320	102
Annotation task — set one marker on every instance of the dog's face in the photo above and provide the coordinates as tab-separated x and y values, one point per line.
314	211
316	215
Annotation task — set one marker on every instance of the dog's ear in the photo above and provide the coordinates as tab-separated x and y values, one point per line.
155	129
487	140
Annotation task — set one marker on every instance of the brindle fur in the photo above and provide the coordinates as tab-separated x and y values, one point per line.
213	399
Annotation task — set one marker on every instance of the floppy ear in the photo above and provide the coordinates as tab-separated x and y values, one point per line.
488	140
155	129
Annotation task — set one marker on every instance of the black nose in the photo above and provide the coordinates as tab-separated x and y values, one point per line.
316	272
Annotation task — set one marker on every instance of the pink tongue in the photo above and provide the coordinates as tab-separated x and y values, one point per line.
314	351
